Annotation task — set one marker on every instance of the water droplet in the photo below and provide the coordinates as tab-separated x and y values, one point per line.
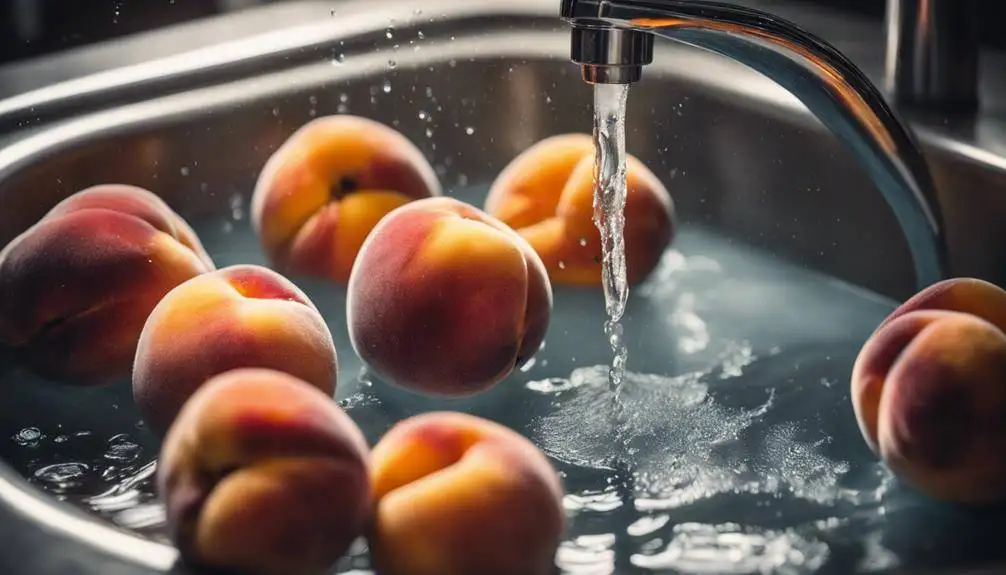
28	437
343	98
420	35
583	241
453	63
392	63
386	87
418	11
429	133
470	130
275	111
389	33
342	108
338	59
422	115
312	99
562	265
331	13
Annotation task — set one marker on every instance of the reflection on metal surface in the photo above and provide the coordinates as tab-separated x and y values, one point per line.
932	53
49	515
841	96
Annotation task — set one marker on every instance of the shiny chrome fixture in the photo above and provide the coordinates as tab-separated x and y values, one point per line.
612	40
932	54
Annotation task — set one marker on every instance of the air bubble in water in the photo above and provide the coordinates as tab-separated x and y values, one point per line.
28	437
469	130
389	33
392	63
386	87
62	472
185	170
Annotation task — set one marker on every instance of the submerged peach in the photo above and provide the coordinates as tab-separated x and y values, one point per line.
456	494
929	391
445	299
322	192
547	193
77	287
239	316
264	474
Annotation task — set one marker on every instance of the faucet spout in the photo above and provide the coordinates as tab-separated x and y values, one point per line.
610	55
613	39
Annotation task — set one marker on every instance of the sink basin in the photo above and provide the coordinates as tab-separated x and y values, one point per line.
747	457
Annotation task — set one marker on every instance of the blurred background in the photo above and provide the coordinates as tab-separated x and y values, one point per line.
35	27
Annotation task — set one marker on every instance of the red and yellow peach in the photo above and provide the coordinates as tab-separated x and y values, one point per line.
446	300
77	287
456	494
241	316
263	474
929	391
322	192
547	194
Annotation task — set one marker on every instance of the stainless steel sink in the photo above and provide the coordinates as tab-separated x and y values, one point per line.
742	158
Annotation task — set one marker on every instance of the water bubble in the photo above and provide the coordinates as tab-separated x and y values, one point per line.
275	111
331	13
339	59
562	265
470	130
59	473
418	11
429	133
420	35
392	63
386	87
28	437
121	448
389	33
422	115
583	242
184	170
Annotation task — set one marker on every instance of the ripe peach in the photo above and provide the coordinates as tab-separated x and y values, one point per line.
547	192
456	494
445	299
323	191
929	391
262	473
239	316
76	287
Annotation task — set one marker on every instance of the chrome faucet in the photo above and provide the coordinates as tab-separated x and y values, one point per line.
613	40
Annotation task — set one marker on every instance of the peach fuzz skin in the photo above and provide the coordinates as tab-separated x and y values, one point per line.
546	193
324	190
77	287
446	300
239	316
456	494
263	474
929	391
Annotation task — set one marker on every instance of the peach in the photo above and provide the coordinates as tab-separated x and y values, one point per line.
263	474
446	300
238	316
77	287
547	194
323	191
929	391
456	494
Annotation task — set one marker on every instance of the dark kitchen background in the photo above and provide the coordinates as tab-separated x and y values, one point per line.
35	27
